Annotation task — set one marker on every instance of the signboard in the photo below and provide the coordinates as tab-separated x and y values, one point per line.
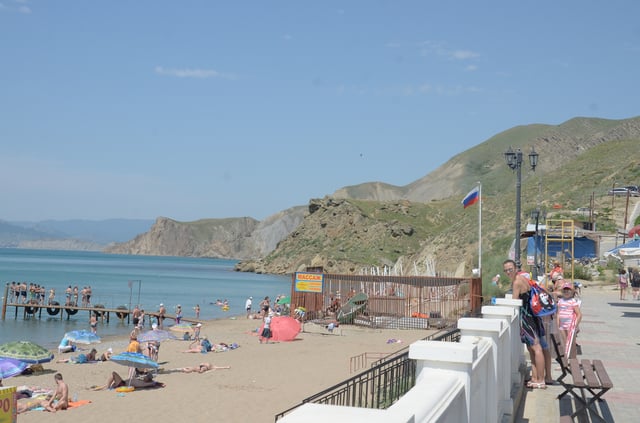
308	282
8	405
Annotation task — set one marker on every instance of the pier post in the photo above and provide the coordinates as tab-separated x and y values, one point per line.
4	300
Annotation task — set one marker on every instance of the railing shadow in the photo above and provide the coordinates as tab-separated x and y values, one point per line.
386	381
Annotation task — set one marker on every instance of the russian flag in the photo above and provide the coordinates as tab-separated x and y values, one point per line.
471	198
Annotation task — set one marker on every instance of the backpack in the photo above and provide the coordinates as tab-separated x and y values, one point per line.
542	303
206	345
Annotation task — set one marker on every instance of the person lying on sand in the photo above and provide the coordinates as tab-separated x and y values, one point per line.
80	358
201	368
115	381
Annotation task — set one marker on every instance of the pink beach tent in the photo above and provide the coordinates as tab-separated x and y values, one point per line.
283	328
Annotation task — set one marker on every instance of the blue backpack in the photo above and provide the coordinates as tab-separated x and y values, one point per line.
206	345
542	303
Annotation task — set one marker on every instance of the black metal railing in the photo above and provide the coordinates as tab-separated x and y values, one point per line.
379	387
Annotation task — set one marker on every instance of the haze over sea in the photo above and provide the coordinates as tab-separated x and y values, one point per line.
154	280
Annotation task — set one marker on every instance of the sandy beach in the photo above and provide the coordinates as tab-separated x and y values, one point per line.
264	379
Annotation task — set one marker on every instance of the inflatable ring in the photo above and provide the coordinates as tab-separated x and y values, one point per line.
98	313
125	389
30	310
225	308
122	314
53	311
71	311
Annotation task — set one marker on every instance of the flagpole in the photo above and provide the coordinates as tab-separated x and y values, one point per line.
480	229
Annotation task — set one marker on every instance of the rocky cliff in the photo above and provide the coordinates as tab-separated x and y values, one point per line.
232	238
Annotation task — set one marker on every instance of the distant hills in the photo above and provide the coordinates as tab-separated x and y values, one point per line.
70	234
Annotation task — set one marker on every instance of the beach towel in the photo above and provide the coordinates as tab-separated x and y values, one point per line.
79	403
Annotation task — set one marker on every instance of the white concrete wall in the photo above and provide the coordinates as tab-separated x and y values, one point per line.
465	382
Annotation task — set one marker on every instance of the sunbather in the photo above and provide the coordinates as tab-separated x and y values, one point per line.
80	358
115	381
201	368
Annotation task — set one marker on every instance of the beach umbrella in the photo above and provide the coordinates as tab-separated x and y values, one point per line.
10	367
26	351
283	328
285	300
182	327
137	360
156	335
82	337
630	250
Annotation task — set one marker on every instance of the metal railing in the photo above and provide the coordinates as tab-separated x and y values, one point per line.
379	387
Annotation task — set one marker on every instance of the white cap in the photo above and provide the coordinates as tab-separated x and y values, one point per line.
161	305
110	350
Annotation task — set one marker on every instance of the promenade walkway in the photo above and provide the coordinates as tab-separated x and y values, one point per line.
610	331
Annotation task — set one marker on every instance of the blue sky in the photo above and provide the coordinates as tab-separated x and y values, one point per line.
211	109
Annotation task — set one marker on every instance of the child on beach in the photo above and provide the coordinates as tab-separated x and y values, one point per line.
623	281
266	330
569	315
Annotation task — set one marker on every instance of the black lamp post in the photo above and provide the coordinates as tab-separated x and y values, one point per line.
514	161
538	215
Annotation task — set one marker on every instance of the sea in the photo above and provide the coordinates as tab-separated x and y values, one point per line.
126	280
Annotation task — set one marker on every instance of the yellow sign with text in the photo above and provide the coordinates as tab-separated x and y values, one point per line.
309	282
8	405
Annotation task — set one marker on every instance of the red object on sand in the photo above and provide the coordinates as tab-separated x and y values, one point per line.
283	328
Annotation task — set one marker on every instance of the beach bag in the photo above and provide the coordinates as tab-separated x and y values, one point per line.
542	303
206	345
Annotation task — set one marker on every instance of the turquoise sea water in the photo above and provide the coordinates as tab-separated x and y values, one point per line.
154	280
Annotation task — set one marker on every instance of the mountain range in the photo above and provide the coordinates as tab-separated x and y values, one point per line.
417	226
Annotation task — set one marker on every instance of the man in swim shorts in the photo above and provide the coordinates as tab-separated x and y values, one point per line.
60	399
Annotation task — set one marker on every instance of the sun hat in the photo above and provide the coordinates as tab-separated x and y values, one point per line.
199	325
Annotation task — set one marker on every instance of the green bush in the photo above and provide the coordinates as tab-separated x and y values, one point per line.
582	272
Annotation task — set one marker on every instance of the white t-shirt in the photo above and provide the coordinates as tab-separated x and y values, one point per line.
247	305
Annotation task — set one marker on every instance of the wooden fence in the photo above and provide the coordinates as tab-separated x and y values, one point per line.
393	296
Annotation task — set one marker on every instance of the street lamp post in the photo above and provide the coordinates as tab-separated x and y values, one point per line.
538	215
514	161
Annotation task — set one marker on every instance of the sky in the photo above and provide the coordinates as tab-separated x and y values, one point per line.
213	109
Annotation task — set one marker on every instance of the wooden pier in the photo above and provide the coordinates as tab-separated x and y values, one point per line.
54	309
